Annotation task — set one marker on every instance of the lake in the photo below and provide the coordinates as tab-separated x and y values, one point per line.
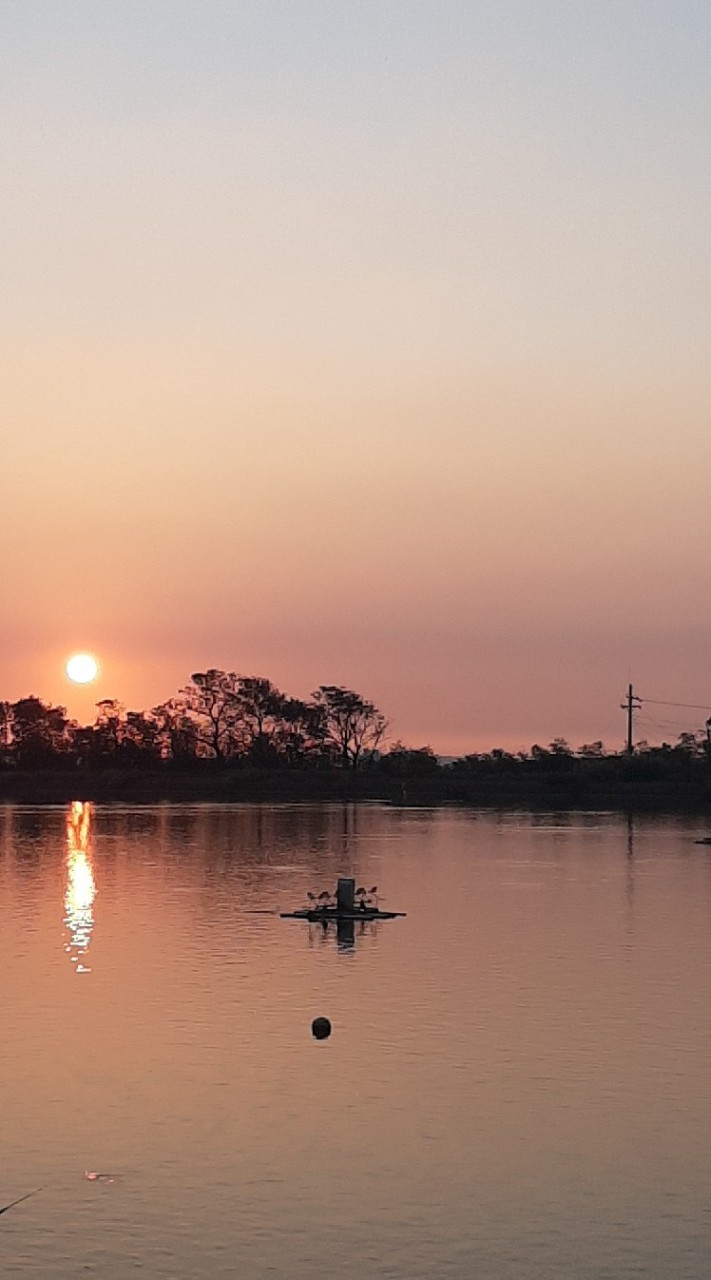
517	1084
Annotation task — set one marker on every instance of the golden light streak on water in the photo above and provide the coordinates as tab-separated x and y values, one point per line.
81	886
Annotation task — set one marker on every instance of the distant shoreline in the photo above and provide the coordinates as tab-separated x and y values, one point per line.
225	784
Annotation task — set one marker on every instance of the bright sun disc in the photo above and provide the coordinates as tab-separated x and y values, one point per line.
82	668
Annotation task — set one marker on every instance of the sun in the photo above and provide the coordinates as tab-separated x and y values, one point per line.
82	668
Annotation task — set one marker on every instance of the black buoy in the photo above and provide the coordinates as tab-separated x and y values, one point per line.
321	1028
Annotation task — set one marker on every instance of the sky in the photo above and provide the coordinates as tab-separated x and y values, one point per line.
360	342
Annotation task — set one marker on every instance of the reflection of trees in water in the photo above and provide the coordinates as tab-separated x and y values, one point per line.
251	834
223	836
80	888
6	832
226	834
265	856
230	831
27	838
215	861
27	830
270	855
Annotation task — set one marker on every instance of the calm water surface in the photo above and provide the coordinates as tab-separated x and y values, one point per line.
518	1083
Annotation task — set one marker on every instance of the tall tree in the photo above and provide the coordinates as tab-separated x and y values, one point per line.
262	707
140	736
176	731
353	726
39	730
109	727
301	733
212	698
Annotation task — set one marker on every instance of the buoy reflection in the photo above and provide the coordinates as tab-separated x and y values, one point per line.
81	887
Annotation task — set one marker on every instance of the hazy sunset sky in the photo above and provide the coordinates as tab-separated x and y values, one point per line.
360	342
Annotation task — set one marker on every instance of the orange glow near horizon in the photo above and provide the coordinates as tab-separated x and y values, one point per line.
338	374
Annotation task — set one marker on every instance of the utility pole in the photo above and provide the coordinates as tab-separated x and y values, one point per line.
631	704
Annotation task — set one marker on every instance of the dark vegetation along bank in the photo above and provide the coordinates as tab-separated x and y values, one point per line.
228	737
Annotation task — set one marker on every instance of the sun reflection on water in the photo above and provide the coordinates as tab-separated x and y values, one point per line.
81	887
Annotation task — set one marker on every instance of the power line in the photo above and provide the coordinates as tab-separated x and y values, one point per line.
690	706
648	722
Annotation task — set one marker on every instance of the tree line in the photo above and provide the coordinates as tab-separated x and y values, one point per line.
218	716
228	736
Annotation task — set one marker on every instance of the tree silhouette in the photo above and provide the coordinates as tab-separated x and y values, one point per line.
212	698
38	730
5	725
354	727
176	731
261	707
